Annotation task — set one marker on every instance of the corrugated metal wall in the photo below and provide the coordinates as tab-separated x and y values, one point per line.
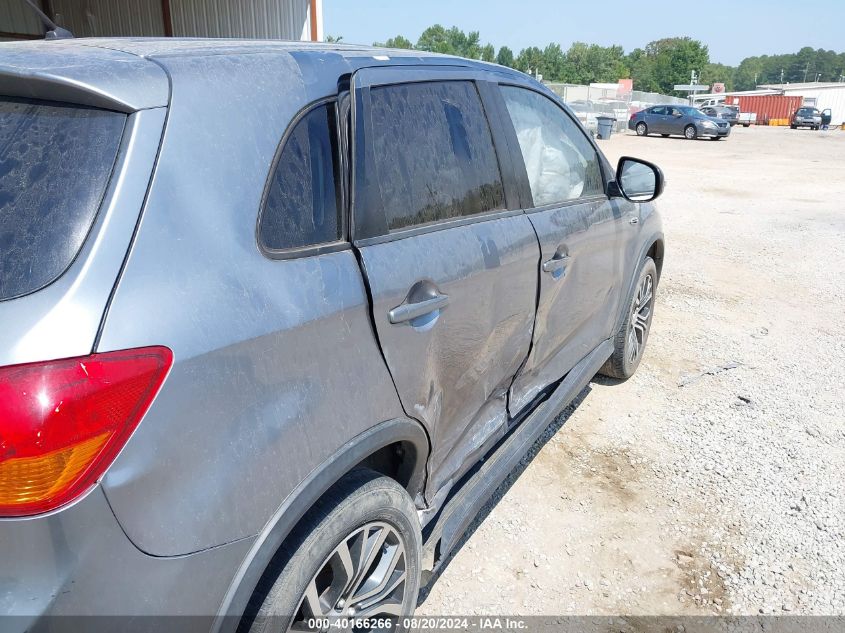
103	18
268	19
18	19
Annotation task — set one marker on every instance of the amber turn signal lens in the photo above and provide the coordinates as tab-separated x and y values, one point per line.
63	422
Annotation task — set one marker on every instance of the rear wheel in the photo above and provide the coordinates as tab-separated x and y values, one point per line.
642	129
630	341
356	555
792	127
690	132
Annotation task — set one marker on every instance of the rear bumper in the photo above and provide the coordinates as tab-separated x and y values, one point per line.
67	570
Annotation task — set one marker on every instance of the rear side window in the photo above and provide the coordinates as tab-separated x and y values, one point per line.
55	164
433	153
561	163
302	207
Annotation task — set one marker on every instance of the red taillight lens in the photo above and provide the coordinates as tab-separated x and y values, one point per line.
63	422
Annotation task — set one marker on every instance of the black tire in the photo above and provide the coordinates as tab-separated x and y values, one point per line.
715	138
622	364
664	135
746	125
792	127
362	498
691	135
642	129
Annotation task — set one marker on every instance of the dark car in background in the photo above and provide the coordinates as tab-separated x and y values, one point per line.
806	117
726	113
265	364
685	121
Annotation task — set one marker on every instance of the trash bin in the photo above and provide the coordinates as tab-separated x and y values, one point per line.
605	125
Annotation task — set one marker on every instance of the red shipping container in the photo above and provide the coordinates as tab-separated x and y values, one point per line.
769	107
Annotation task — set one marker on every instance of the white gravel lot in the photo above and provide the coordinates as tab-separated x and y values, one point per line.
712	481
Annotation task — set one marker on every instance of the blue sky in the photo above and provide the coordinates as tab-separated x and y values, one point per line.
733	29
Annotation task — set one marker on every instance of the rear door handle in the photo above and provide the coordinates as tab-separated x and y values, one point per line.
556	265
411	311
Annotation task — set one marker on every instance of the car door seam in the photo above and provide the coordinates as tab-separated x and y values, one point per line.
372	319
538	269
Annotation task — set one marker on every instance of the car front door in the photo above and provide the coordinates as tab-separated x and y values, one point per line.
654	119
674	121
449	257
580	232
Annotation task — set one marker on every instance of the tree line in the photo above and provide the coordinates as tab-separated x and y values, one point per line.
655	68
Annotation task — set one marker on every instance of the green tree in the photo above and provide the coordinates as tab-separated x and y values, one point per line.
453	41
717	73
467	45
333	38
396	42
747	74
588	63
435	39
488	53
552	63
641	68
505	57
667	62
529	60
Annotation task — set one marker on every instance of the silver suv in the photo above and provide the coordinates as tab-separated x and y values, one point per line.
277	318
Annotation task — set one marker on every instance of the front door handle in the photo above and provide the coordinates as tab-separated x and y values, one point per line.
634	220
417	309
556	265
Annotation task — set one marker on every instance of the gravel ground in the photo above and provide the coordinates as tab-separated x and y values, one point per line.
712	481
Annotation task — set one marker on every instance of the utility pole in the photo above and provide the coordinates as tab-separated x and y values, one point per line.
781	76
693	80
806	70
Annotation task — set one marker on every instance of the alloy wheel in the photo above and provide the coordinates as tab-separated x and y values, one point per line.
640	317
363	578
689	132
641	129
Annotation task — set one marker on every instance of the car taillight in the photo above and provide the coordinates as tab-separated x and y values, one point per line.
62	422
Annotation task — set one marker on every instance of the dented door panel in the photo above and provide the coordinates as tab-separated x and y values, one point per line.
578	300
453	370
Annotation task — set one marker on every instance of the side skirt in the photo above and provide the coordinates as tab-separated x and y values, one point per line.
446	528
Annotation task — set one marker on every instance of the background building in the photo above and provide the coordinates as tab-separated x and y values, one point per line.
262	19
817	94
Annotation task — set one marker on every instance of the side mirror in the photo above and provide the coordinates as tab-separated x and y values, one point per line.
637	180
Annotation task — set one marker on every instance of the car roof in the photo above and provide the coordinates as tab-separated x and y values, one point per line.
129	74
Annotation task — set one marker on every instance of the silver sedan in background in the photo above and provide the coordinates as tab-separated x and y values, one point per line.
682	120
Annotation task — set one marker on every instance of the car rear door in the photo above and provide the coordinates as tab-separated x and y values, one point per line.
449	257
581	234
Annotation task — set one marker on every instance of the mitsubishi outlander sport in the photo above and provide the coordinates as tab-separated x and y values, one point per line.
277	318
